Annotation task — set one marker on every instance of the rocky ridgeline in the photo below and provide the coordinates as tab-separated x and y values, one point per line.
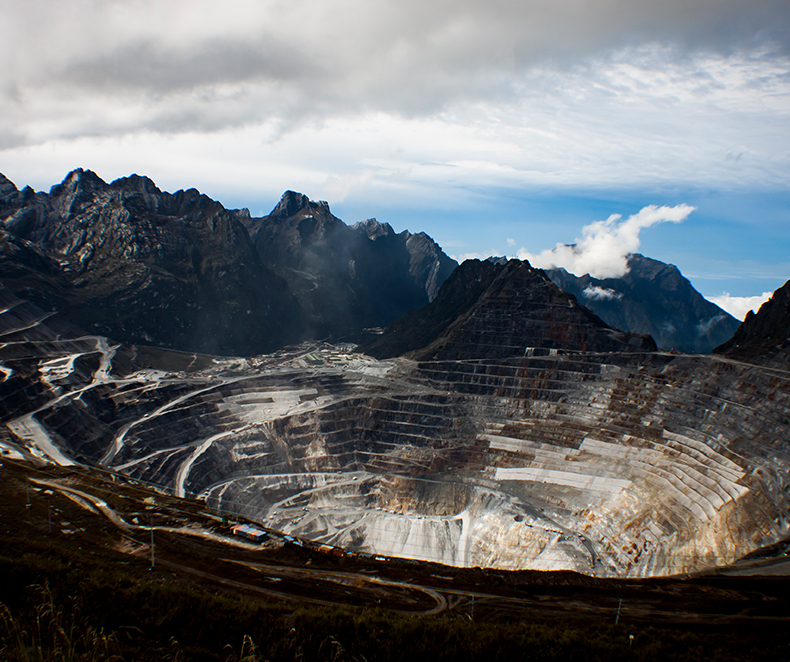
142	266
179	270
564	445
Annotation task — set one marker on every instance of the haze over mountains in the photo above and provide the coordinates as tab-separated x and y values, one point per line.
347	278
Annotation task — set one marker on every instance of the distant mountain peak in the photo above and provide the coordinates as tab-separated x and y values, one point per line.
373	228
139	183
292	202
652	297
83	179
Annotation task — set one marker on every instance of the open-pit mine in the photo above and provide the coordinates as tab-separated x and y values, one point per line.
618	462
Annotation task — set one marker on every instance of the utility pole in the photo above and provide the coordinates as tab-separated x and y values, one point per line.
617	618
153	562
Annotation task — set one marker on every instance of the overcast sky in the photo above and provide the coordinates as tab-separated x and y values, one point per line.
504	126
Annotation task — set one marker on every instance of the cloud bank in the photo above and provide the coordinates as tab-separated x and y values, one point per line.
739	306
110	68
604	247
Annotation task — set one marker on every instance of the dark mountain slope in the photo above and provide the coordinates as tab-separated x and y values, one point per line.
487	310
652	298
764	336
139	265
347	278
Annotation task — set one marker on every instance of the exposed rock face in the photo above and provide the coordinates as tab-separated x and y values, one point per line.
129	261
652	298
764	336
347	278
179	270
497	311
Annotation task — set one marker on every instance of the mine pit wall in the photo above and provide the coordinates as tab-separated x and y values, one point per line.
626	468
609	464
701	443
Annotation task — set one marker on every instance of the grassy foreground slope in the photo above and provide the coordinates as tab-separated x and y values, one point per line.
78	585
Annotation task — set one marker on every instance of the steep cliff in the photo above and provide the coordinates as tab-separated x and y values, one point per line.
763	336
137	264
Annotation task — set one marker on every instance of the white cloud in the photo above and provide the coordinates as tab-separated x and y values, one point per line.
511	242
739	306
603	249
595	292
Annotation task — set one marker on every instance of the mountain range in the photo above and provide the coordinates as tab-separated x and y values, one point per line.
179	270
508	425
143	266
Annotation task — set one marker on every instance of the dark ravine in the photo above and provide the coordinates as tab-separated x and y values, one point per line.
652	298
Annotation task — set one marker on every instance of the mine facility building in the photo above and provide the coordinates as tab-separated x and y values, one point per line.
249	532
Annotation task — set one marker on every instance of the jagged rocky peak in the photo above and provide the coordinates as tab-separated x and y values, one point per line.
373	229
292	203
7	187
652	297
347	278
79	178
764	336
141	265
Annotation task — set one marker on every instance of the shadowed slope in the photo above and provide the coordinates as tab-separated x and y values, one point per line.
129	261
347	278
652	298
764	336
487	310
